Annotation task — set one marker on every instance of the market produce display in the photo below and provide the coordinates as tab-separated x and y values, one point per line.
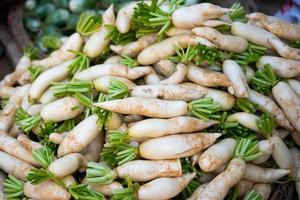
159	101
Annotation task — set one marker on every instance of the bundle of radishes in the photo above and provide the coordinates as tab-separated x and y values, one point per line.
159	102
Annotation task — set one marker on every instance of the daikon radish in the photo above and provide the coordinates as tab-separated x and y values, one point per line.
47	97
246	119
107	189
178	76
124	17
113	60
166	67
178	31
102	84
6	91
295	85
281	153
243	187
92	151
285	50
266	147
284	29
263	189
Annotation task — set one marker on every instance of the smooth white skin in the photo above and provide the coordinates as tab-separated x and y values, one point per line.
217	155
98	71
146	107
152	78
35	109
295	85
206	77
285	50
61	109
56	138
281	153
258	16
14	166
101	84
178	76
195	157
92	151
45	191
25	103
43	81
113	60
146	170
28	144
107	190
246	119
164	188
263	189
74	42
166	67
284	68
214	23
132	49
259	174
225	42
252	33
198	191
289	102
80	136
168	92
67	165
178	31
161	127
220	185
124	17
225	99
195	15
68	180
243	187
6	91
98	41
47	97
266	104
249	74
266	147
114	122
176	146
165	48
238	82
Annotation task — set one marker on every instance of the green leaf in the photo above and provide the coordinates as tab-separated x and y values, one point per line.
238	13
13	188
70	88
128	193
99	174
66	126
25	121
266	124
119	38
80	63
3	103
129	62
224	28
88	23
247	150
295	44
205	108
251	55
51	42
31	52
252	195
212	55
190	189
34	71
245	105
36	176
117	137
44	156
188	167
184	55
84	100
103	115
84	192
117	89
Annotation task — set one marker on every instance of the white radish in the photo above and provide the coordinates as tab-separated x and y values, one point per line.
152	78
243	186
195	15
217	155
14	130
258	16
259	174
176	146
98	41
56	138
214	23
124	17
68	180
246	119
281	153
61	109
198	191
282	133
107	190
6	91
2	179
172	187
194	158
285	50
114	122
47	97
161	127
225	42
284	29
266	147
207	78
238	82
113	60
101	84
92	151
295	85
28	144
35	109
263	189
249	73
80	136
147	107
166	67
178	31
178	76
226	100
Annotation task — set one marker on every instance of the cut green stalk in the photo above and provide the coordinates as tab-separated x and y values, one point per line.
129	62
251	55
25	121
84	192
3	103
51	42
238	13
99	173
205	108
80	63
252	195
117	137
128	193
232	194
246	105
13	188
211	55
103	115
118	38
188	167
66	126
34	71
46	128
190	189
247	150
266	124
295	44
224	28
264	79
69	88
31	52
88	23
44	156
84	100
36	176
184	55
117	89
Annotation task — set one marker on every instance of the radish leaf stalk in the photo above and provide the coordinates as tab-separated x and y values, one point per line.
13	188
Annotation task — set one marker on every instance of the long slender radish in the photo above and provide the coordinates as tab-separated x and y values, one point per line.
47	97
61	109
295	85
45	191
249	73
195	15
243	187
289	102
97	71
178	31
207	78
263	189
214	23
14	166
258	16
108	189
266	104
172	187
92	151
266	147
259	174
80	136
132	49
225	99
217	155
101	84
252	33
285	30
281	153
285	50
246	119
113	60
124	17
6	91
225	42
238	83
147	107
285	68
178	76
161	127
43	81
165	48
166	67
98	41
176	146
28	144
198	191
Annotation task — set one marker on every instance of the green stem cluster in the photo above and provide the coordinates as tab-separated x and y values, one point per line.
120	38
129	62
34	72
238	13
51	42
205	108
252	195
246	105
36	176
13	188
128	193
44	156
99	173
117	89
84	192
80	63
88	23
266	124
25	121
70	88
247	150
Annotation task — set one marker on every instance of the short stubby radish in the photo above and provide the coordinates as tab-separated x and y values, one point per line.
178	76
217	155
176	146
266	147
285	50
161	127
248	120
281	153
124	17
146	107
102	84
195	15
225	42
61	109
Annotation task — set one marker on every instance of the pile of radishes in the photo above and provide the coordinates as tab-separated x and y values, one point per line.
159	102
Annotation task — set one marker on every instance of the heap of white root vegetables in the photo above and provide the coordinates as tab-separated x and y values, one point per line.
161	101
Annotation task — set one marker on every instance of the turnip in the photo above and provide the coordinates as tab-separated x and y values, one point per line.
285	50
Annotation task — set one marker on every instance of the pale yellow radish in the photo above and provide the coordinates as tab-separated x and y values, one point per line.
101	84
113	60
263	189
246	119
284	29
6	91
178	76
266	148
178	31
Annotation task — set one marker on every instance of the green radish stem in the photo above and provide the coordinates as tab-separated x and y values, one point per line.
184	55
88	23
66	126
69	88
252	195
81	62
34	72
13	188
251	55
36	176
99	173
128	193
295	44
247	150
205	108
44	156
212	55
118	38
117	89
129	62
266	124
31	52
25	121
103	115
238	13
246	105
51	42
84	192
